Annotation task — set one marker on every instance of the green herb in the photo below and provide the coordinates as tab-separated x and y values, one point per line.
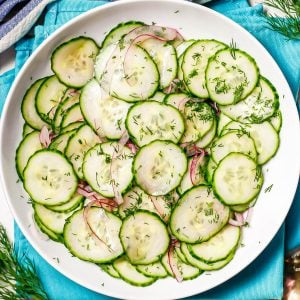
18	276
233	48
289	26
269	188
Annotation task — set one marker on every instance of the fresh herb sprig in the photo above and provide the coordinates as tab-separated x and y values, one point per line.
288	25
18	276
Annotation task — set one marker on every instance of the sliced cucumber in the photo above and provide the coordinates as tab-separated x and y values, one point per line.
52	235
72	115
141	79
181	255
211	167
223	121
28	108
99	162
243	207
194	64
231	75
207	139
49	178
144	237
61	141
159	167
130	274
78	144
203	265
199	119
219	246
158	96
264	135
81	243
119	31
150	120
186	270
276	120
28	146
53	220
257	107
164	55
155	270
71	127
183	46
198	215
105	114
237	179
175	99
109	269
70	98
26	130
186	182
73	203
234	141
73	61
48	97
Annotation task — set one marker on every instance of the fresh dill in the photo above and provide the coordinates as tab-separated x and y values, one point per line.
18	276
233	48
269	188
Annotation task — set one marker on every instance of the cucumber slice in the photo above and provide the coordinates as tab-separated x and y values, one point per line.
109	269
203	265
140	81
130	274
219	246
151	120
119	31
265	138
105	114
234	141
186	182
159	167
198	215
78	144
26	130
52	235
28	146
72	115
179	70
97	168
49	178
183	46
82	244
137	199
73	203
144	237
223	121
53	220
164	55
72	127
207	139
231	75
181	255
194	64
48	97
73	61
187	271
276	120
199	119
257	107
175	99
61	141
243	207
211	167
70	98
158	96
28	108
155	270
237	179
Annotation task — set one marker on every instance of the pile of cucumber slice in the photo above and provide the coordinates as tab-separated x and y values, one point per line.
144	154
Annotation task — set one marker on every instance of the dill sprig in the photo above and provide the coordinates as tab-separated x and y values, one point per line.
18	276
288	25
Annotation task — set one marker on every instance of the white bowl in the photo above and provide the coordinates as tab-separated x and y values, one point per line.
193	21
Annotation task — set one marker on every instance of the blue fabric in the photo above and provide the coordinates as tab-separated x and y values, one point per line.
263	278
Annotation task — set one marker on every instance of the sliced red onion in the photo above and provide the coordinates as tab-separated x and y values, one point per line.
235	223
182	103
247	214
214	105
239	217
85	193
192	149
133	148
158	207
198	158
45	137
172	263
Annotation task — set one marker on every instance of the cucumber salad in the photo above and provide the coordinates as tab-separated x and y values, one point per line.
145	155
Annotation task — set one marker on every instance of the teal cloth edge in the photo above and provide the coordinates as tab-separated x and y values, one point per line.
222	292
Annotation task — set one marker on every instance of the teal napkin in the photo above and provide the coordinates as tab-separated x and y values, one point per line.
263	278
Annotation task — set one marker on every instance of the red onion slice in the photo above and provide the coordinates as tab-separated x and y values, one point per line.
45	136
196	160
172	263
158	207
235	223
133	148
